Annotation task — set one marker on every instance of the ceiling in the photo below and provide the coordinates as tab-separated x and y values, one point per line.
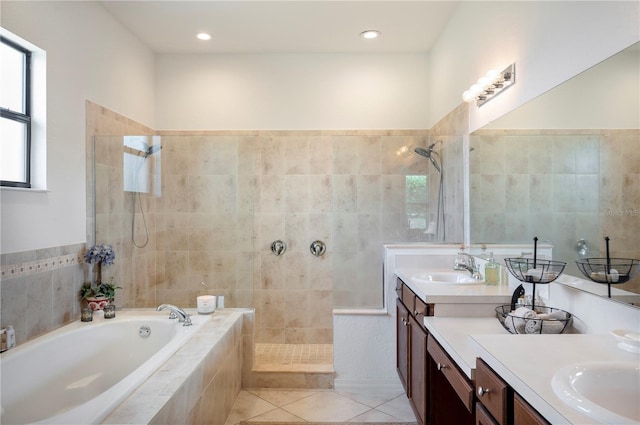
284	26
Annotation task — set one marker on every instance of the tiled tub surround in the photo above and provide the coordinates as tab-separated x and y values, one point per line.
574	183
199	384
39	289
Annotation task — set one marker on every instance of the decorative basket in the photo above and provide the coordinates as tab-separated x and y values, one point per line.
534	271
548	320
612	270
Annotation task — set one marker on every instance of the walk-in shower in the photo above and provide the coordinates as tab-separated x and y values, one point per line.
433	156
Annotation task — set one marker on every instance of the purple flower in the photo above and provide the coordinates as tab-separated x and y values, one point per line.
100	254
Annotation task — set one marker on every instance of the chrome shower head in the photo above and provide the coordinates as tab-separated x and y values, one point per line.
428	153
151	150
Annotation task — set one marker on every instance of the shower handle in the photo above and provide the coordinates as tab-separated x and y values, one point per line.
278	247
318	248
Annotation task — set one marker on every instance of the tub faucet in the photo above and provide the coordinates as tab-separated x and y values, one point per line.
176	312
466	262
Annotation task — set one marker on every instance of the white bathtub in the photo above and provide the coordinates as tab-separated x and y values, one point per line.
79	373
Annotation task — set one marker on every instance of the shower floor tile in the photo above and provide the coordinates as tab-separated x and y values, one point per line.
293	357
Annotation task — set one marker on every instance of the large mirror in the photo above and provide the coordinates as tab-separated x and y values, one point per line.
565	167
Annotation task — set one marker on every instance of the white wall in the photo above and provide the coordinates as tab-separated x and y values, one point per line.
89	56
291	91
605	96
549	42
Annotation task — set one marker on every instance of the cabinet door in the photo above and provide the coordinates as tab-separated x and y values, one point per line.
523	414
402	345
418	370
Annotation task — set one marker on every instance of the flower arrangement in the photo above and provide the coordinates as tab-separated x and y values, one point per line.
99	254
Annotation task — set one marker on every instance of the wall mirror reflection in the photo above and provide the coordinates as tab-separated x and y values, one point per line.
565	167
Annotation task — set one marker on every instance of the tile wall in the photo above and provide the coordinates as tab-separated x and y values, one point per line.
219	214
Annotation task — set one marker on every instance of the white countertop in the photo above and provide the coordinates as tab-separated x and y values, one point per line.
447	293
452	333
528	362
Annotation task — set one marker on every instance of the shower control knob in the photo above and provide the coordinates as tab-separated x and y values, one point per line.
318	248
278	247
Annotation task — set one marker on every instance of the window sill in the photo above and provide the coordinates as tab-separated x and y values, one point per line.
23	189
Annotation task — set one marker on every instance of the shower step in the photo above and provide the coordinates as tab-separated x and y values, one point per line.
298	379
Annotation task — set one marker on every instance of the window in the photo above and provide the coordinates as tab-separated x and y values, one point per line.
417	199
15	114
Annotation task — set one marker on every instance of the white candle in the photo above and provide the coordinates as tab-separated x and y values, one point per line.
206	304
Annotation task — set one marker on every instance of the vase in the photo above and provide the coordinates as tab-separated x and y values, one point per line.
97	304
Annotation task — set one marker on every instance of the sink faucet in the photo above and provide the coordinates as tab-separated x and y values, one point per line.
176	312
466	262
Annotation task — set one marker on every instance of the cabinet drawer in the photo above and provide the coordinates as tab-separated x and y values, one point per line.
422	309
523	414
408	298
492	392
449	369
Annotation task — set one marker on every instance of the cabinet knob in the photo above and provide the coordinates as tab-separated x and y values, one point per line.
482	391
405	322
417	313
441	366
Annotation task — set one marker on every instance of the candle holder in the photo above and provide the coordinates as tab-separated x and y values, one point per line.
86	315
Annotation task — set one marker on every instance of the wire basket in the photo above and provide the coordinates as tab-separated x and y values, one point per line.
538	320
534	271
612	270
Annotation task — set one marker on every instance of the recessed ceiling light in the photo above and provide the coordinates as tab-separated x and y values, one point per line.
370	34
203	36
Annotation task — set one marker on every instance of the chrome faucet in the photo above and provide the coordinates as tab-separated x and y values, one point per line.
466	262
176	312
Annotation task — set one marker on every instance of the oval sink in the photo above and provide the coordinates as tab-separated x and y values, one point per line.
446	277
605	391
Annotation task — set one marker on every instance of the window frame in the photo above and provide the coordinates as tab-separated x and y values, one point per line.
23	118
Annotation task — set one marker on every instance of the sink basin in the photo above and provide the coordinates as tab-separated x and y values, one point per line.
605	391
454	278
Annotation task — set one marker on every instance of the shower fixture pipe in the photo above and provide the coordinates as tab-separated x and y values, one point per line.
145	154
432	155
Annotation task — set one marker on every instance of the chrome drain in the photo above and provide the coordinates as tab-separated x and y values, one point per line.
144	331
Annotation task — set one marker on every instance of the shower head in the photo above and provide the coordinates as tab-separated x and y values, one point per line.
429	153
151	150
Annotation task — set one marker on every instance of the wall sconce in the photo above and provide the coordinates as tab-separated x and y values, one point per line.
490	85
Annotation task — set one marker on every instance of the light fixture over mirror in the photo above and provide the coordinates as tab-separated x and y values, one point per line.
489	86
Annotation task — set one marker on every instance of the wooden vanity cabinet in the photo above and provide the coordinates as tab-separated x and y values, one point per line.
419	370
411	349
402	344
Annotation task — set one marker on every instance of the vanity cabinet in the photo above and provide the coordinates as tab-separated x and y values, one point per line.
402	344
498	404
411	349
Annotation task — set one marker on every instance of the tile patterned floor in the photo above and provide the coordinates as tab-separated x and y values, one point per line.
293	357
282	406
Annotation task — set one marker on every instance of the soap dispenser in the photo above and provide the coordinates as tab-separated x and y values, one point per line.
491	271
